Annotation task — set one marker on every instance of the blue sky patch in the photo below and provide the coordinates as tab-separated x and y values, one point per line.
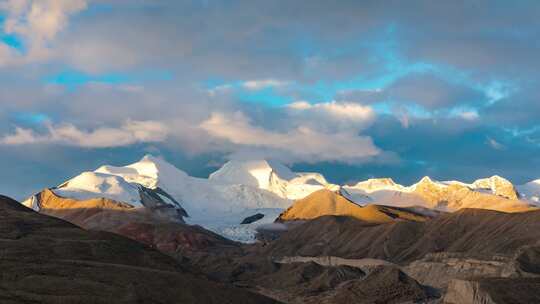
266	96
73	78
31	118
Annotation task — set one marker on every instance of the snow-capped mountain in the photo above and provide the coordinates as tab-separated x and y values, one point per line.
271	176
494	193
241	189
94	184
497	185
220	203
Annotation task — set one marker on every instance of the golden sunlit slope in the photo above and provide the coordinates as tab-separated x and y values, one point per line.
326	202
99	213
455	197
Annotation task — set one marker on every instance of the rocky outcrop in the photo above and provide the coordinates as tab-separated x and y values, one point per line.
252	219
525	262
466	292
312	283
438	269
332	261
382	285
493	291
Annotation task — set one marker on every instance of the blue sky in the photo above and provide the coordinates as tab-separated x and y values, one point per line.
349	88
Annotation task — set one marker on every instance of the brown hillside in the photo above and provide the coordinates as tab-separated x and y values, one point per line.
47	260
471	231
148	226
326	202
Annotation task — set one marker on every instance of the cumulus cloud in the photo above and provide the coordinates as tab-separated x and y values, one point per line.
333	115
129	133
301	143
339	110
37	23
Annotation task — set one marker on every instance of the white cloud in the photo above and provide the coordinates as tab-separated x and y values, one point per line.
37	22
301	143
263	83
340	110
495	144
129	133
219	89
402	115
332	116
252	85
469	115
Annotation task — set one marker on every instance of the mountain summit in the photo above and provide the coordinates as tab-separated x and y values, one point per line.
258	173
498	186
272	176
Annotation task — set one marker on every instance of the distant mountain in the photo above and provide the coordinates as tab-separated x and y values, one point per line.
493	193
497	185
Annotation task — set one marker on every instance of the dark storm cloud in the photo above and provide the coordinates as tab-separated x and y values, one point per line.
433	93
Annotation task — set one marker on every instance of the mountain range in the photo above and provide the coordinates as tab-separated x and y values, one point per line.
241	189
297	238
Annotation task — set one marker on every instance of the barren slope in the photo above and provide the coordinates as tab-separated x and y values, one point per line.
47	260
326	202
473	231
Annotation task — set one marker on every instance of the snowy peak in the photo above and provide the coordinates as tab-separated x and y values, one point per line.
272	176
91	184
150	171
426	180
427	184
377	184
257	173
498	186
387	184
156	168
